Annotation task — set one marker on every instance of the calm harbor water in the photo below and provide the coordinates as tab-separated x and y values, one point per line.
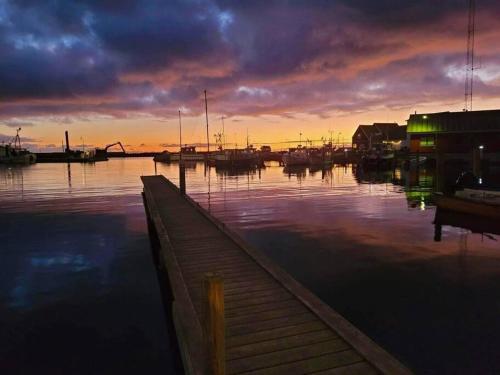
77	265
78	288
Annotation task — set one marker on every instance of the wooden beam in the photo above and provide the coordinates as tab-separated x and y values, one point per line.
214	324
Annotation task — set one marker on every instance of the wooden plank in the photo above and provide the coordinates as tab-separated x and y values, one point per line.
360	368
280	357
273	333
292	302
310	365
269	324
258	301
250	350
266	315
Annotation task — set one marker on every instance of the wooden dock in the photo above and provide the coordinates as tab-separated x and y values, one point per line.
273	325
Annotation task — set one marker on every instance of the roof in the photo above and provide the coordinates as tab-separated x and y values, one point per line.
455	122
382	131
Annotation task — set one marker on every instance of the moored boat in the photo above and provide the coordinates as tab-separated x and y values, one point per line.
163	157
471	201
236	158
296	157
16	155
189	153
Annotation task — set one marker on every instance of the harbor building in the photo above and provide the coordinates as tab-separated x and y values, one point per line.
379	134
455	132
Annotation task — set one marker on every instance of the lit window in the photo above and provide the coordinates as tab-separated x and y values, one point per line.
427	142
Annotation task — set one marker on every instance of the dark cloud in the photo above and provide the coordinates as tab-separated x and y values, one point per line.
116	58
16	123
5	138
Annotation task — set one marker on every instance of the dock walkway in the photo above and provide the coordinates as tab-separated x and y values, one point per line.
273	325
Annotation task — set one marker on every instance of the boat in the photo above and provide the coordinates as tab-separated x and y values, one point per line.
189	153
298	156
378	159
163	157
16	155
475	224
320	157
236	158
485	203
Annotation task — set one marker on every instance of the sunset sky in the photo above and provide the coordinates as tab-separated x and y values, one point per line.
120	70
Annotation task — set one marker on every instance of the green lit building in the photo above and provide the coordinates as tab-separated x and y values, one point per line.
454	132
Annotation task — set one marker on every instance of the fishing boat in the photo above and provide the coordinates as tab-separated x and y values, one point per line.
321	157
477	202
378	159
236	158
189	153
163	157
298	156
16	155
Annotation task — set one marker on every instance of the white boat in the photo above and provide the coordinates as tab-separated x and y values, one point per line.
296	156
237	158
188	154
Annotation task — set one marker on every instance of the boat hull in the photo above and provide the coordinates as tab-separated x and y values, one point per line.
467	206
188	157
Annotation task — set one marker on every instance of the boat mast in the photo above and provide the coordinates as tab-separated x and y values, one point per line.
180	136
206	115
223	133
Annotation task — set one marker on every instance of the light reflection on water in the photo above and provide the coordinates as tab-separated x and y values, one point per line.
363	242
78	289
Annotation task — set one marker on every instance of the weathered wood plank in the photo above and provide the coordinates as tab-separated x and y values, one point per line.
294	356
360	368
281	343
241	311
274	333
269	324
265	315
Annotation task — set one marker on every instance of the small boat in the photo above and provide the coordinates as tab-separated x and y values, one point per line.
163	157
16	155
188	154
321	156
477	202
237	158
378	159
296	157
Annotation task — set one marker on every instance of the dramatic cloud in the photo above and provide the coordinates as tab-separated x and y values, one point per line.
66	60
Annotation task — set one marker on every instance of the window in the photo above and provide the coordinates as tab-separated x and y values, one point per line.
427	141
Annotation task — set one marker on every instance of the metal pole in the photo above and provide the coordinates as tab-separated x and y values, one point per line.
206	115
182	170
180	137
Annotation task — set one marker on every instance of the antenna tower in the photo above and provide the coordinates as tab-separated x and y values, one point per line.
469	69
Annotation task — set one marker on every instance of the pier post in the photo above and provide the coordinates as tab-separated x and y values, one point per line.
214	325
182	177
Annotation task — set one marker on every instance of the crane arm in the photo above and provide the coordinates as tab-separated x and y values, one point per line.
114	144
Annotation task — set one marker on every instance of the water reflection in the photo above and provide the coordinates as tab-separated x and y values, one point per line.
75	256
484	226
364	242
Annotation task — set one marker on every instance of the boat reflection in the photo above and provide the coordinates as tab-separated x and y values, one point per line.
234	172
297	171
475	224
